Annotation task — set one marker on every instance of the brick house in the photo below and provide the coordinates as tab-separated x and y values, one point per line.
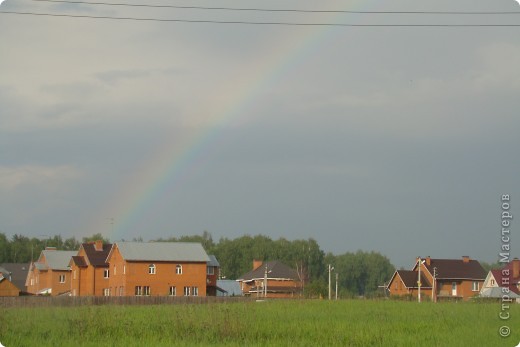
440	279
50	274
503	282
90	270
212	274
157	269
272	279
17	274
7	287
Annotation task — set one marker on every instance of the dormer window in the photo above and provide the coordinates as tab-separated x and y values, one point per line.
151	269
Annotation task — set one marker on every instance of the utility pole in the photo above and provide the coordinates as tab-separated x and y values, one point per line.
337	286
265	282
331	268
419	280
434	294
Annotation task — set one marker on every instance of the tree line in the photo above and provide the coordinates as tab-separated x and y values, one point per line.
359	273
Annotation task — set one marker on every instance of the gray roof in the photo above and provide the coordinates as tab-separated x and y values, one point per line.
18	273
58	260
163	251
230	288
275	270
213	261
496	292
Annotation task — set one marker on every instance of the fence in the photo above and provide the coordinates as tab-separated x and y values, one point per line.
71	301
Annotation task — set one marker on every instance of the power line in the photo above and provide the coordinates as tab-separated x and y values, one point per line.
252	22
279	10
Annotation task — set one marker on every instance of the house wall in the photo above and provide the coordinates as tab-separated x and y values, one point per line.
211	281
397	286
272	283
8	289
38	280
464	288
129	274
57	286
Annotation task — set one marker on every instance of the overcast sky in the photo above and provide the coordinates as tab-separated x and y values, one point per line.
394	139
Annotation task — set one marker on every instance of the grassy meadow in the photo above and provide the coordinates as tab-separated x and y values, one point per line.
269	323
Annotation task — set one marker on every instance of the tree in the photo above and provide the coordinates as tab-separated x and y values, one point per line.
96	237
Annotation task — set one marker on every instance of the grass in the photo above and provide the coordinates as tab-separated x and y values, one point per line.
271	323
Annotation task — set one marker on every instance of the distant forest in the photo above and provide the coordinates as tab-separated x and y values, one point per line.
359	273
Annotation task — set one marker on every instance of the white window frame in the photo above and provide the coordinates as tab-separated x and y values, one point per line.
475	286
146	290
106	273
187	291
178	269
151	269
173	291
138	291
195	291
62	279
210	270
106	292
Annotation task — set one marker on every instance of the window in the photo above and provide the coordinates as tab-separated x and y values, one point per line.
32	281
492	282
124	269
121	291
195	291
173	291
106	292
115	270
475	286
186	291
74	274
106	273
62	278
151	269
178	269
142	290
210	270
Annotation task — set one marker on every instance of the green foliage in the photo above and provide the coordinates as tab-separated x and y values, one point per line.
271	323
95	237
361	273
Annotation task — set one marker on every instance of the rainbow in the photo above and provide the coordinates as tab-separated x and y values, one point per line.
174	161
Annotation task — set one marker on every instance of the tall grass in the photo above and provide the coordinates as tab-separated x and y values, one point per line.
270	323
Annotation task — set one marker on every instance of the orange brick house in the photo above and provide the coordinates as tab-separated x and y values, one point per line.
157	269
446	278
89	269
212	274
272	279
7	287
50	274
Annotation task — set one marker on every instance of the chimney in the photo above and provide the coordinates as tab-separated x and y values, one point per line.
428	260
98	246
465	259
516	267
257	263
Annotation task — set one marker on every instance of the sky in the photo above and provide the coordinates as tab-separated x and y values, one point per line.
399	140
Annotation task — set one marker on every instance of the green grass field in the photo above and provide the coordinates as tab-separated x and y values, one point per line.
271	323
